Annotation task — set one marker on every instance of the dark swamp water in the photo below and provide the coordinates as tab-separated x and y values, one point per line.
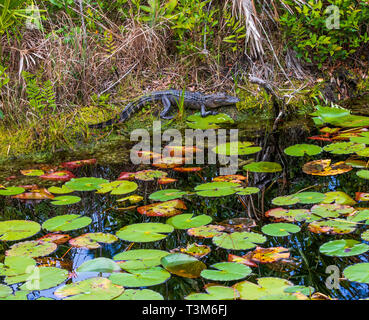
310	269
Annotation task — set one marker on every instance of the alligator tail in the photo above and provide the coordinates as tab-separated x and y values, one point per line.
104	124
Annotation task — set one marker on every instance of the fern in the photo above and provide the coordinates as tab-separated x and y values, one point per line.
40	95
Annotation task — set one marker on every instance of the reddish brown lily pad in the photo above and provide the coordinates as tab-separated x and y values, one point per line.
169	162
246	259
336	226
208	231
57	238
236	178
126	176
187	169
166	180
78	163
35	194
362	196
58	176
163	209
269	255
324	168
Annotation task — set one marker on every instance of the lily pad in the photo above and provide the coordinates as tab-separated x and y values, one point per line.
60	190
31	249
196	121
118	187
337	226
227	271
280	229
363	174
90	289
343	248
293	215
163	209
16	268
183	265
140	294
150	175
78	163
139	258
338	197
85	183
299	150
208	231
310	197
236	148
42	278
5	291
32	172
269	255
266	288
92	240
216	189
167	194
58	176
66	222
285	200
141	277
65	200
194	249
100	264
344	147
235	178
358	272
247	191
144	232
11	191
187	221
215	292
268	167
238	240
325	168
12	230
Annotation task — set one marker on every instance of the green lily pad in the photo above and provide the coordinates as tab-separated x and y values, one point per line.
196	121
100	264
215	292
307	291
293	215
11	191
208	231
118	187
85	183
236	148
363	153
363	174
365	235
331	210
344	147
32	172
247	191
60	190
167	194
187	221
263	166
285	200
65	200
31	249
15	267
90	289
216	189
183	265
92	240
310	197
66	222
144	232
238	240
338	197
140	277
299	150
266	288
140	294
150	175
12	230
280	229
42	278
336	226
5	291
343	248
139	258
227	271
358	272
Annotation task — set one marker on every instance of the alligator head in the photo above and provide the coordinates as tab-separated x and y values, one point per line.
220	99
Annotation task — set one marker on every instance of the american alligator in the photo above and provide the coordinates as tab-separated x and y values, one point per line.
193	100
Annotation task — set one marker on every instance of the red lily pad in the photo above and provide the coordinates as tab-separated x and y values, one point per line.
187	169
246	259
362	196
36	194
126	176
166	180
58	176
57	238
163	209
78	163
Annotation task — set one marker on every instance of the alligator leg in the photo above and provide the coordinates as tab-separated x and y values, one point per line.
205	113
167	105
